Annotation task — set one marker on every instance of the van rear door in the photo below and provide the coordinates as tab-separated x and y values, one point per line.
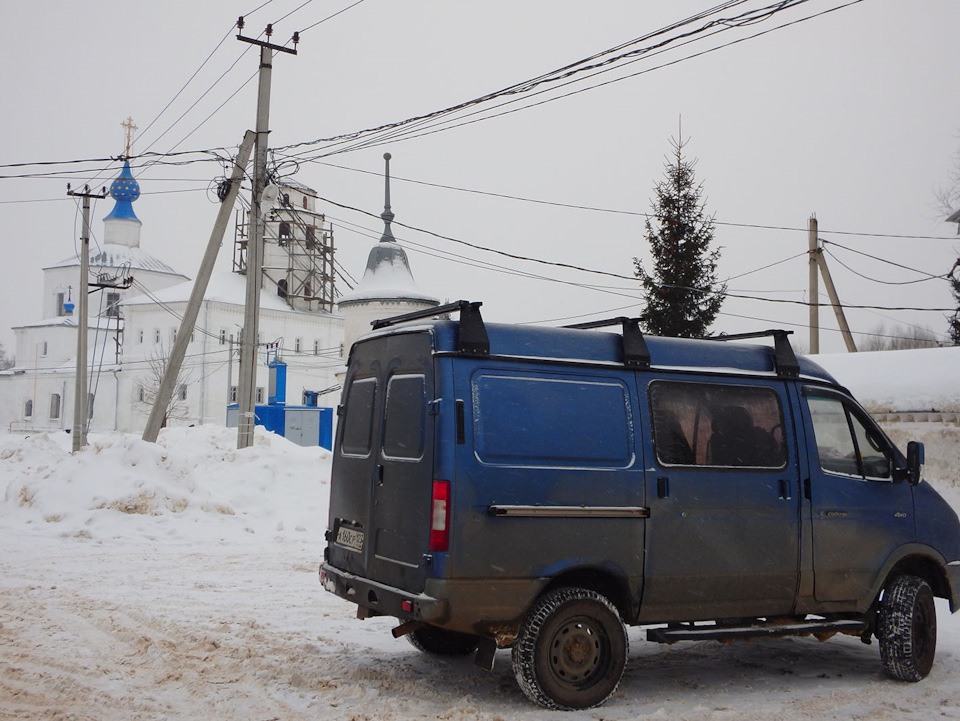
380	498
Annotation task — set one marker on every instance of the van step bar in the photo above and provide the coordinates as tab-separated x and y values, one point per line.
762	629
472	338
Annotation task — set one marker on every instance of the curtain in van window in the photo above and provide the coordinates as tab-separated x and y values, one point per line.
715	424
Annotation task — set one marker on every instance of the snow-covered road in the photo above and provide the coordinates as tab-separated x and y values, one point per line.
179	581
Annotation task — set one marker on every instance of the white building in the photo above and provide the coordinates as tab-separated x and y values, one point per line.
133	323
135	317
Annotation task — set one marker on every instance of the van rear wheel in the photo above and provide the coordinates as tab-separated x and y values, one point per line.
441	642
571	650
907	628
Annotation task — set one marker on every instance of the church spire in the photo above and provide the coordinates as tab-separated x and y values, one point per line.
387	214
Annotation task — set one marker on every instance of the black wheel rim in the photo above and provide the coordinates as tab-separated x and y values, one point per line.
579	652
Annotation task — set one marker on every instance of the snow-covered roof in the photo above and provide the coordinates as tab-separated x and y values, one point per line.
387	277
224	287
69	321
118	256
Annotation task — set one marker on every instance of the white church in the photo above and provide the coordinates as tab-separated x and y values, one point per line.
135	315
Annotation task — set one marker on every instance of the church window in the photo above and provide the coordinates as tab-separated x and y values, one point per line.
233	394
282	287
311	237
223	336
182	392
305	202
284	232
156	336
316	347
28	408
113	305
60	310
141	394
54	406
140	336
296	346
260	394
43	348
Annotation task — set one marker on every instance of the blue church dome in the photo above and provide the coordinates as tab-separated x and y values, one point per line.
124	190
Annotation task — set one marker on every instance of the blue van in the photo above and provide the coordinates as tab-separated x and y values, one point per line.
540	489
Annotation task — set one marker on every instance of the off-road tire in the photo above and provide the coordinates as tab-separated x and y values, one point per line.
907	628
440	642
571	650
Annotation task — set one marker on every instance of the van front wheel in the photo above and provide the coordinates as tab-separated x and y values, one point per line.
907	629
571	650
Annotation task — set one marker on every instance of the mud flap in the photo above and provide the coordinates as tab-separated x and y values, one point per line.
486	651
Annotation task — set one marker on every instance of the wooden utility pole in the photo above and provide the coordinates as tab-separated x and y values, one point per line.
80	402
246	389
835	302
179	351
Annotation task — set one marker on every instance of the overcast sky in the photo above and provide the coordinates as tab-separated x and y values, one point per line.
852	115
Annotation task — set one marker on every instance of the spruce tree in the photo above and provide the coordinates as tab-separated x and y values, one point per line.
954	320
682	293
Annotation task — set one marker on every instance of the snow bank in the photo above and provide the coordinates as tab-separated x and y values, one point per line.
191	486
899	380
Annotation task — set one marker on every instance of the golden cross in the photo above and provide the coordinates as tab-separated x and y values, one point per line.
129	127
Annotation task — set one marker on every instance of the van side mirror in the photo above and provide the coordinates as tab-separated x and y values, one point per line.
915	457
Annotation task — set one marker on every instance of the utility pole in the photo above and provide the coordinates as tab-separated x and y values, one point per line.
80	411
179	351
817	263
835	302
813	248
246	391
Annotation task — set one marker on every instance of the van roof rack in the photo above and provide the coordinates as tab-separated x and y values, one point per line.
472	337
784	359
635	351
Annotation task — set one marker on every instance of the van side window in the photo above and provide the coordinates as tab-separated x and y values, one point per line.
712	424
549	421
845	443
358	422
404	416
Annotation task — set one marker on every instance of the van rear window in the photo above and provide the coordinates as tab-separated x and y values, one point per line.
358	421
405	416
544	421
713	424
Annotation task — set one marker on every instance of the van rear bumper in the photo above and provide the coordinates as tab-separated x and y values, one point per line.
382	599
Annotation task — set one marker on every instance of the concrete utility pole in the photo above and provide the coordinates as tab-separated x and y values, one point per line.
246	389
179	351
813	248
80	402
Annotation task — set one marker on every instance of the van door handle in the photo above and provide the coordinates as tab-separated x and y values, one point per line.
785	493
380	473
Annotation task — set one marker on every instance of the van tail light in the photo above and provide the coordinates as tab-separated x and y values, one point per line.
440	516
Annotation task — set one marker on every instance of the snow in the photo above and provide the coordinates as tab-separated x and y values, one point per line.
900	380
223	287
178	580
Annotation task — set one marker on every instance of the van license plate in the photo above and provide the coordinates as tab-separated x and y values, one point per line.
350	537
